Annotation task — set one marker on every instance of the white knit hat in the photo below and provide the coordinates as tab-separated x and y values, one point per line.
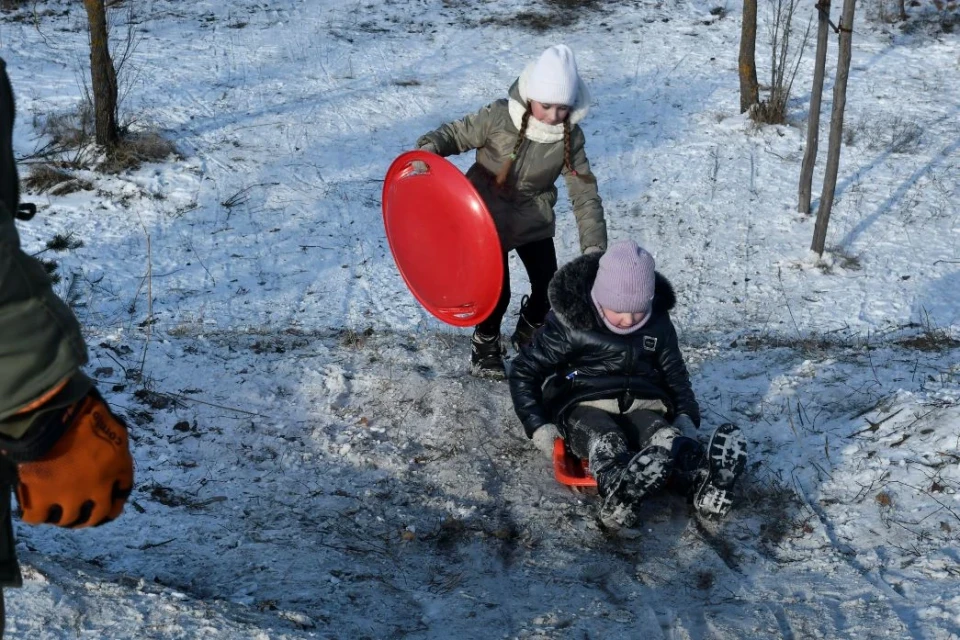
554	77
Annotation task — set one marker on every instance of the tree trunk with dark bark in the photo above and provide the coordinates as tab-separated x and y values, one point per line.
749	87
813	122
836	127
102	75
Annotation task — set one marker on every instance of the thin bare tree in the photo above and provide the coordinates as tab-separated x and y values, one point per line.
749	87
102	75
816	94
781	49
836	127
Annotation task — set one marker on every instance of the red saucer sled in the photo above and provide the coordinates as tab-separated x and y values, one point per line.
443	239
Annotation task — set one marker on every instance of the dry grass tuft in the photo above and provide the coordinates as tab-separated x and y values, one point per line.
930	341
44	177
70	129
353	339
135	149
51	267
48	177
559	14
62	242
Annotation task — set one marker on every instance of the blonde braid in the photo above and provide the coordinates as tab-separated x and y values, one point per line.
566	147
586	177
505	169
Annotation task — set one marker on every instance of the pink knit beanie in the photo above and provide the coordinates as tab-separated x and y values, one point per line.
625	279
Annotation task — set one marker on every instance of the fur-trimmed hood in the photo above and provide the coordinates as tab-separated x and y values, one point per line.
536	130
569	293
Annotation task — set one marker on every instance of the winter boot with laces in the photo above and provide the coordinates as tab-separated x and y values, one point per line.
525	328
725	459
486	357
625	478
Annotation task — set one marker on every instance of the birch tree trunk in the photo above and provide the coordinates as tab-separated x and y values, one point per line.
813	121
836	127
749	87
102	75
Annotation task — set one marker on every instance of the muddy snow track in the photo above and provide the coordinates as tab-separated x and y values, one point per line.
365	483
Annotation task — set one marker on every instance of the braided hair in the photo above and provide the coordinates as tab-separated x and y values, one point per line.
505	169
587	177
566	147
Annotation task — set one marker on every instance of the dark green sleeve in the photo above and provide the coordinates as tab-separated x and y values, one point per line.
584	197
40	341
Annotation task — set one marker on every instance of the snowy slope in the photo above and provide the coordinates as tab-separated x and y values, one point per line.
312	460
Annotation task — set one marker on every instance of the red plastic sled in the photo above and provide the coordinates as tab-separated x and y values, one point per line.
442	238
571	470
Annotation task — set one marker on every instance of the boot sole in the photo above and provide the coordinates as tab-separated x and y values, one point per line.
646	472
727	458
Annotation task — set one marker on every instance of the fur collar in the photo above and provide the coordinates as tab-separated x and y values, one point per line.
569	293
536	130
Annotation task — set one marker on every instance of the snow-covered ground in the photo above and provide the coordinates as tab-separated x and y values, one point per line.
313	460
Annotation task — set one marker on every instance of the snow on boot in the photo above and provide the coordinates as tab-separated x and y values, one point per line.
486	357
525	329
623	480
726	458
664	437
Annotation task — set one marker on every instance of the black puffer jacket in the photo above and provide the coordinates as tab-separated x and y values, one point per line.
575	358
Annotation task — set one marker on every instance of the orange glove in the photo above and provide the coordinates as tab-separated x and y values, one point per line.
86	477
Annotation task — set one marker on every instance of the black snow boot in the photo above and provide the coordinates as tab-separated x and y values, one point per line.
486	357
525	328
725	460
689	468
625	478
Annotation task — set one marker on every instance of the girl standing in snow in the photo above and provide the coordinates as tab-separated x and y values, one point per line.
607	368
524	143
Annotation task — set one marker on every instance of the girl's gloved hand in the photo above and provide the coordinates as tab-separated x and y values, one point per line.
684	424
419	166
544	437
